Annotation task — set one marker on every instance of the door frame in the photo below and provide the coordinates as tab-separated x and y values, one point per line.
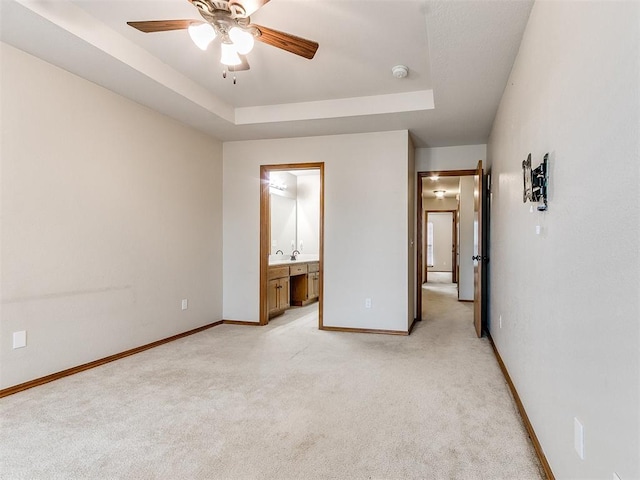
454	242
420	214
265	234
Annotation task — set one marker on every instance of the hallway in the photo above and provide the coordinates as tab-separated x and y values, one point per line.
477	387
282	401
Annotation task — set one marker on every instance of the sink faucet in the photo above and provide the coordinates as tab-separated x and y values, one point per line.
281	252
294	253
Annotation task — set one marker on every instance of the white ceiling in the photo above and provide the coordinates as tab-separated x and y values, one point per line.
459	54
451	186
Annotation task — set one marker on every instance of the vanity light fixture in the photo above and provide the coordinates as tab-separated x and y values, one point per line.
278	186
439	193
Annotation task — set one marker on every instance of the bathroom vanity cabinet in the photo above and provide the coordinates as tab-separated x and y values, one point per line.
278	291
295	283
304	288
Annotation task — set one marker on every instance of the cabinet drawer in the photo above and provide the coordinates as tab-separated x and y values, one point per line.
298	270
314	267
277	272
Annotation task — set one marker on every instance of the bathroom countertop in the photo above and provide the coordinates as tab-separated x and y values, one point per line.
288	261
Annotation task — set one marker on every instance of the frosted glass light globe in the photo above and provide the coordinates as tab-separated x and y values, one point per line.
229	55
202	35
242	40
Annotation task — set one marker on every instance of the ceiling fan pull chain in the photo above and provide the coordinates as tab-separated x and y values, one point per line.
224	75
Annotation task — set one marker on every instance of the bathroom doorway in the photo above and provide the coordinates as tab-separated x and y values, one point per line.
291	244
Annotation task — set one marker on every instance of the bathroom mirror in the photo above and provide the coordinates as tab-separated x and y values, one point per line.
283	194
283	224
294	209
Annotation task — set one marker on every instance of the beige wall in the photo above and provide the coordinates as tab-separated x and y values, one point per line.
462	157
111	215
367	232
449	203
569	297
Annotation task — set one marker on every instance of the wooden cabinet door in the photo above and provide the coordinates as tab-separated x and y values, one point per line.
278	295
313	281
283	297
273	292
313	285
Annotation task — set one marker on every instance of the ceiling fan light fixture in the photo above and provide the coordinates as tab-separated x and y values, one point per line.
242	40
229	55
202	35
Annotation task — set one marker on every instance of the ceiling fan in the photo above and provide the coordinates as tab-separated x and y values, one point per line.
229	20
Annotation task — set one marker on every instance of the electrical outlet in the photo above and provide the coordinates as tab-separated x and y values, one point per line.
578	437
20	339
185	304
500	321
367	303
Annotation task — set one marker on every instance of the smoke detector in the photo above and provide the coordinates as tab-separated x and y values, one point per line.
400	71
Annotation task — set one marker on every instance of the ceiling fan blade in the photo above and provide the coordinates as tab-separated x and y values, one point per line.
300	46
248	6
163	25
239	68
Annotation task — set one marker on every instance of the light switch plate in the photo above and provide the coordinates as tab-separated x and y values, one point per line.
185	304
20	339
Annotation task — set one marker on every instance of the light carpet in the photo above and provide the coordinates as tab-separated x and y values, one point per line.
285	401
439	277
